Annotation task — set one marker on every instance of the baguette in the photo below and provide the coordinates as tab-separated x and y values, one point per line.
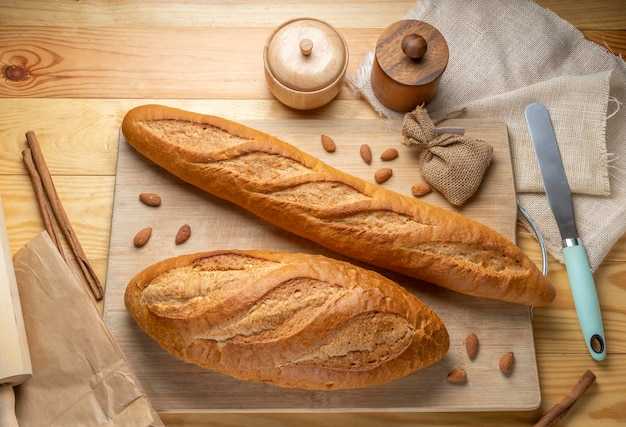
293	320
350	216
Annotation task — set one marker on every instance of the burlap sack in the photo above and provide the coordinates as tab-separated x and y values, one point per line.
452	164
505	55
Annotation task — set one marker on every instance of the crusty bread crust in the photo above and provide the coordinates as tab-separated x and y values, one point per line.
293	320
303	195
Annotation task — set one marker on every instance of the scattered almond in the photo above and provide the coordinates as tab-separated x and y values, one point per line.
142	237
382	175
150	199
389	154
506	362
457	375
420	189
366	153
328	144
471	345
184	232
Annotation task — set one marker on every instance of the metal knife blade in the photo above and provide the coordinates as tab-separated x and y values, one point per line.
574	253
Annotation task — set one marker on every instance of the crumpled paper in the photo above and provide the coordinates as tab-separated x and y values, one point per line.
80	377
505	55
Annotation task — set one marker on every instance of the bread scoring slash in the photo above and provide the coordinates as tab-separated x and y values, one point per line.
293	320
298	192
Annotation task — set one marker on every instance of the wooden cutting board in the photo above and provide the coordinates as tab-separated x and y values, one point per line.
216	224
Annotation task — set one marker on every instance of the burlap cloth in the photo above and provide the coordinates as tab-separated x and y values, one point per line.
505	55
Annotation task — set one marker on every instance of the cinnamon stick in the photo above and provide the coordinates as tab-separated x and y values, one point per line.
558	411
42	201
62	218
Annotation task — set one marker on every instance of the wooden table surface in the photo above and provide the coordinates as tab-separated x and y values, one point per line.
71	69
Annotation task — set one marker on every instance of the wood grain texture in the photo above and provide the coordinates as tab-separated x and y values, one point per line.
589	14
585	14
104	70
561	377
612	40
76	58
200	13
79	62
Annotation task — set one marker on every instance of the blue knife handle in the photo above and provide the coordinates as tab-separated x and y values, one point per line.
585	299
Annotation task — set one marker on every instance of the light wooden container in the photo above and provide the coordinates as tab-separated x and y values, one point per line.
305	63
409	61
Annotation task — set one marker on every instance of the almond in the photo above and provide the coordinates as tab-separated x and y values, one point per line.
382	175
328	144
142	237
506	362
150	199
184	232
389	154
366	153
471	345
457	375
420	189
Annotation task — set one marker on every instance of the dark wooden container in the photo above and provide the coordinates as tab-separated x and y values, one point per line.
409	61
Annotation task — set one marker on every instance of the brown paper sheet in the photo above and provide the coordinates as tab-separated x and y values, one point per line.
80	377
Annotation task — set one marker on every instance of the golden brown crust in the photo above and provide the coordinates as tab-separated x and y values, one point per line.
301	194
294	320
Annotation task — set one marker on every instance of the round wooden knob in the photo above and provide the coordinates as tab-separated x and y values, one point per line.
414	46
306	47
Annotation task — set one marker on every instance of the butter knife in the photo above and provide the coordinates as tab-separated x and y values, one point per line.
574	253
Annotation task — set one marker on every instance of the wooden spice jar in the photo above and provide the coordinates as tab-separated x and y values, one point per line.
409	61
305	63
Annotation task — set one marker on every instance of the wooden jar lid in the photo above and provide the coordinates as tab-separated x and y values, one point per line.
409	61
305	62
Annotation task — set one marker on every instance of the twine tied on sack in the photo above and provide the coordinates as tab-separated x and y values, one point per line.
452	164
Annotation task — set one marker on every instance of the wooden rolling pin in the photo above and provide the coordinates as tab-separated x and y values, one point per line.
15	366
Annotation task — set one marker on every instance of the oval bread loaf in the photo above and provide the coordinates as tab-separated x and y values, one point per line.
293	320
303	195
